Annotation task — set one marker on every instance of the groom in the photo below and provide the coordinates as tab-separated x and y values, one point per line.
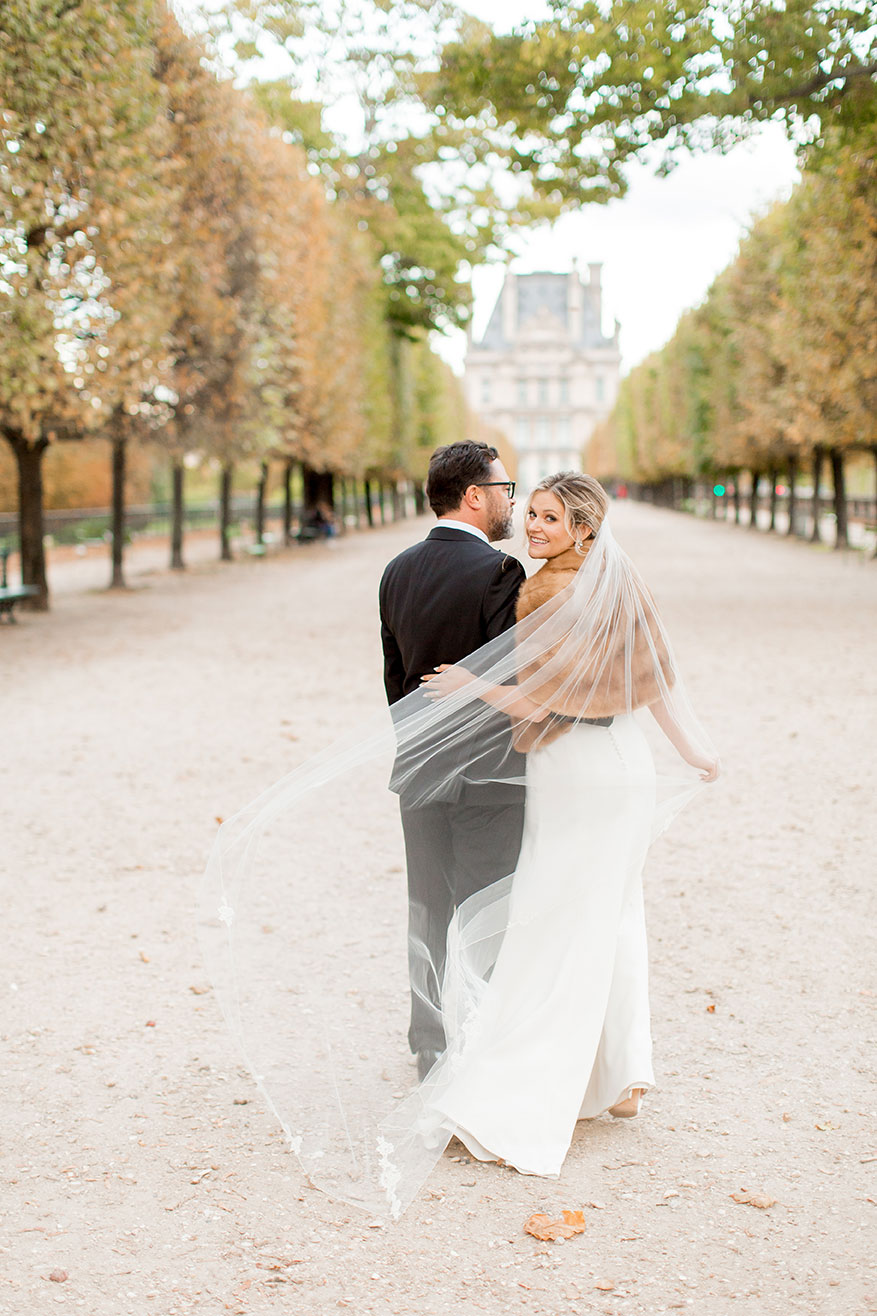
441	600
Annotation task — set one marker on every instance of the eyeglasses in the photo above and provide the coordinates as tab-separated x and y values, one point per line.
508	485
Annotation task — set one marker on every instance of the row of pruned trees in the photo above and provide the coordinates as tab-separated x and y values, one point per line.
172	271
775	374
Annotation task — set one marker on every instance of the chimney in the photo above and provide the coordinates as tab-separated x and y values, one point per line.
510	307
574	304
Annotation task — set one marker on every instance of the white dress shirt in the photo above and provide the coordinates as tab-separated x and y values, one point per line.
462	525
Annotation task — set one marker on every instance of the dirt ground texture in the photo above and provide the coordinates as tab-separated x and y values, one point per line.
137	1159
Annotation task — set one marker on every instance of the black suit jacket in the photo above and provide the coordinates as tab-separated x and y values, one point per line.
441	600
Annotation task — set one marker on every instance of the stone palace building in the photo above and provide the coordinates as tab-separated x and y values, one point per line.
544	372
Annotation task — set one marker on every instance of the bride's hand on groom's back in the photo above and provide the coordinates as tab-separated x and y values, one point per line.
445	680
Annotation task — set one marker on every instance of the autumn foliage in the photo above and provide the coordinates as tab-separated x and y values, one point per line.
172	272
776	372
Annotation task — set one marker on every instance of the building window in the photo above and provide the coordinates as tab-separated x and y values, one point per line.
522	392
485	390
542	436
561	431
563	394
600	385
543	393
522	433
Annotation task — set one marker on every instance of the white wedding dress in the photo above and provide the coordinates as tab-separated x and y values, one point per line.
555	1027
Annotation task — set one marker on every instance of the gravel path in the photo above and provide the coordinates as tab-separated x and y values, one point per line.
135	1158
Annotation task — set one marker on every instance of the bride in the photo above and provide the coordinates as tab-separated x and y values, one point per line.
544	999
561	1030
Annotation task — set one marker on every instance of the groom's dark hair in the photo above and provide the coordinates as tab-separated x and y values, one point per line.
452	469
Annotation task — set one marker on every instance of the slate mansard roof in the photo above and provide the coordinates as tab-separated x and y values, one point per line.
541	292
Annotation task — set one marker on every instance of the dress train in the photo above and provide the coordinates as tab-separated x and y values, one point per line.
558	1030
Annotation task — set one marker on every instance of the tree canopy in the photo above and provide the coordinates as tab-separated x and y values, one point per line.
567	102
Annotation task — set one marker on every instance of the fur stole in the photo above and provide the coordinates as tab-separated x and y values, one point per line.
553	576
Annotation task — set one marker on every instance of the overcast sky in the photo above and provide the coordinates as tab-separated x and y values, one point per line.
662	245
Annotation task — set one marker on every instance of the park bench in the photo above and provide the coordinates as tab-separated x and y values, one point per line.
11	594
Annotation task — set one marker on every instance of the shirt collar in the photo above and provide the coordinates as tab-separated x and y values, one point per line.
462	525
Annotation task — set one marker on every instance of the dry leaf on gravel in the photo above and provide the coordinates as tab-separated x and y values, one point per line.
604	1285
541	1226
745	1198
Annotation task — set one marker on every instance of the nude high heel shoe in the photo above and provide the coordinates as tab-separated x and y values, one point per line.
629	1108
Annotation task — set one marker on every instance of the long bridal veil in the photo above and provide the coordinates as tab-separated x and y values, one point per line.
303	910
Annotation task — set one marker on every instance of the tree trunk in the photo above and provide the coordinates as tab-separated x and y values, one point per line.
815	536
29	460
177	513
382	495
319	487
120	452
287	502
419	498
225	482
737	506
260	503
342	505
793	494
842	538
369	510
753	502
772	476
874	453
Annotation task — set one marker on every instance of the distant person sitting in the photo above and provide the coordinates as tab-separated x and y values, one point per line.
319	523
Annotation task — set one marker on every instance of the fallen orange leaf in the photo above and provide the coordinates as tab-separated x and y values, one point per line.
710	1009
745	1198
542	1226
604	1285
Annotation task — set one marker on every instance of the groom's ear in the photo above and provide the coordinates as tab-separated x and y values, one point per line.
472	497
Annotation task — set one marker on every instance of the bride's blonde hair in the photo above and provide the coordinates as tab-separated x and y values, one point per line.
585	502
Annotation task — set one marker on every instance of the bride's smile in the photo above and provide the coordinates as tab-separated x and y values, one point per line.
547	533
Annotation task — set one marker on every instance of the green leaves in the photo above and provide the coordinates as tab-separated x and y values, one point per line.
570	100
